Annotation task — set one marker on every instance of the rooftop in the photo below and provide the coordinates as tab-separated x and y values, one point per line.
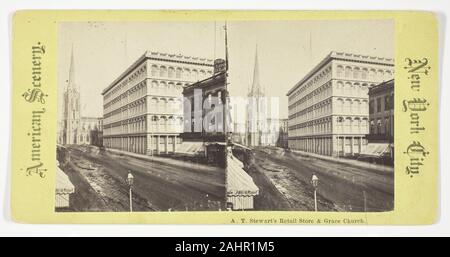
386	85
345	57
207	81
160	57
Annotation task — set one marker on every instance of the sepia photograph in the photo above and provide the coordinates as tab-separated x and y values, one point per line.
266	115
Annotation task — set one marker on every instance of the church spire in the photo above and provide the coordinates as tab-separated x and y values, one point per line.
256	87
71	71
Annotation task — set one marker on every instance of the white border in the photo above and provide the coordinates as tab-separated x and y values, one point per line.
8	7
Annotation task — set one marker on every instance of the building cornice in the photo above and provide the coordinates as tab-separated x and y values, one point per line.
343	57
386	85
160	57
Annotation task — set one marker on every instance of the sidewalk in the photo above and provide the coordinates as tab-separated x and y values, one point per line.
355	163
161	160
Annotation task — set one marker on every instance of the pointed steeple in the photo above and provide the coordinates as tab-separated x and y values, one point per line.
256	87
71	82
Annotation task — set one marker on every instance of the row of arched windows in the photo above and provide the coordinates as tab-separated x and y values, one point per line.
351	106
134	125
381	126
162	71
317	110
354	89
166	124
135	108
136	92
115	97
166	88
318	94
120	87
132	109
318	79
348	125
372	74
321	126
166	105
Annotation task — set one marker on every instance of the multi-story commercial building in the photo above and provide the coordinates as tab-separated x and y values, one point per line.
143	110
381	120
329	107
205	114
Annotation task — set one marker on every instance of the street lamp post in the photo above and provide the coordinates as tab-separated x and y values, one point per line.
315	183
130	180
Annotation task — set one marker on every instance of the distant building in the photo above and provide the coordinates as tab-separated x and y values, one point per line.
272	132
328	108
143	111
239	130
381	119
283	134
74	128
97	134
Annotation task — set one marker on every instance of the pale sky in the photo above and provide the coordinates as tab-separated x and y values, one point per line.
287	50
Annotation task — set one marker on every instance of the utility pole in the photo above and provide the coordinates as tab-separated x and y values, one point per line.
225	96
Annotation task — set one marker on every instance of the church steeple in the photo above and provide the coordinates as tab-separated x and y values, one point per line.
71	107
71	82
256	89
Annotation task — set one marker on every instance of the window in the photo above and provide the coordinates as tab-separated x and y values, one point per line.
372	74
387	104
379	127
348	88
387	129
364	73
195	75
340	105
348	71
162	87
357	88
372	127
364	89
178	73
154	71
391	102
339	87
171	73
355	128
163	71
202	74
381	74
356	106
356	73
348	125
187	74
363	126
339	71
388	75
379	104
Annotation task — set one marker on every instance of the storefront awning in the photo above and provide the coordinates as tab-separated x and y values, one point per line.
239	183
190	148
63	184
376	149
